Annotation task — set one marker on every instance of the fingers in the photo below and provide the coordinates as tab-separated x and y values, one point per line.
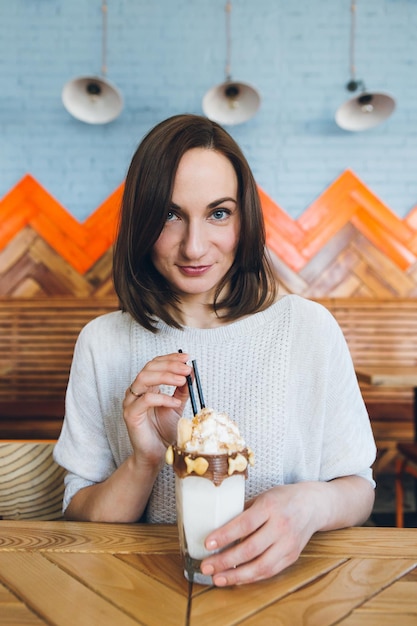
260	542
246	542
223	565
241	526
265	565
257	557
168	370
137	395
152	399
182	393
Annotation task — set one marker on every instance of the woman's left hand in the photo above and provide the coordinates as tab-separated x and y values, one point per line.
275	527
270	533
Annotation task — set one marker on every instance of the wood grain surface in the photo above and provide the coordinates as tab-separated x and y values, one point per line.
63	573
31	483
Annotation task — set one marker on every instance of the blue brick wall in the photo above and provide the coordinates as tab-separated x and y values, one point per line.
164	55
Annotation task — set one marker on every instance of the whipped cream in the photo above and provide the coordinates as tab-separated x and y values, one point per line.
213	432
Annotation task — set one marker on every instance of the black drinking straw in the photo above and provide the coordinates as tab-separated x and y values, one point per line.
198	383
191	392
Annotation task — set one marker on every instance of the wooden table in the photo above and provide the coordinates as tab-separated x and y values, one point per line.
394	376
388	376
67	573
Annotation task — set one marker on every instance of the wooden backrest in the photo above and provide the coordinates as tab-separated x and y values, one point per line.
31	483
380	332
37	338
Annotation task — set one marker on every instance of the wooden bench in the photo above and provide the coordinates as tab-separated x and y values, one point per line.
382	332
37	338
31	483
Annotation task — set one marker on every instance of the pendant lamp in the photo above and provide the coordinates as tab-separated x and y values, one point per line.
231	102
367	109
94	99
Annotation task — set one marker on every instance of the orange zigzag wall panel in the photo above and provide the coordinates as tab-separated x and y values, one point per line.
347	209
28	203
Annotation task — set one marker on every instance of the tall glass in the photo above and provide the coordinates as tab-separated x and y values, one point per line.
203	506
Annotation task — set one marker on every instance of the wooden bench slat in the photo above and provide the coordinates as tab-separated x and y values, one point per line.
31	483
37	338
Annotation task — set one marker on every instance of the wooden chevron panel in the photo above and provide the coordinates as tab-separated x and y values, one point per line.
81	245
347	243
31	267
347	200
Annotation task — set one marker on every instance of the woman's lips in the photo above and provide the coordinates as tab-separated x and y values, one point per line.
192	270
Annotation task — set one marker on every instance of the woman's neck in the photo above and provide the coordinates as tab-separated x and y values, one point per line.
196	312
198	315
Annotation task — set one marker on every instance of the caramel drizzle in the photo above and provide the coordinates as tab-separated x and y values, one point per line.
216	466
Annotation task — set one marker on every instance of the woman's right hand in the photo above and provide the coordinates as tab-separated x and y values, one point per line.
151	416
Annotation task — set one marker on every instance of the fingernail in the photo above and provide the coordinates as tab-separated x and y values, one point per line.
212	545
220	581
208	570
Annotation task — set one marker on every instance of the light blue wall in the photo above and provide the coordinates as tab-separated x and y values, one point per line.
164	55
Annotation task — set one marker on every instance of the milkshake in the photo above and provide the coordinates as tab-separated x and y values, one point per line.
210	461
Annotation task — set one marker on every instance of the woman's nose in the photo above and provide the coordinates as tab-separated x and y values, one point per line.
194	242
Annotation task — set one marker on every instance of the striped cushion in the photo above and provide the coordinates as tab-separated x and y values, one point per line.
31	483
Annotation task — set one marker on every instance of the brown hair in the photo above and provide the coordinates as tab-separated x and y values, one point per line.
141	289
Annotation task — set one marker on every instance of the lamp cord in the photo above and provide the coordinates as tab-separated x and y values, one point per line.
352	39
228	10
104	39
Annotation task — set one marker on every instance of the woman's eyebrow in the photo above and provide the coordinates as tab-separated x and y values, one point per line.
212	205
215	203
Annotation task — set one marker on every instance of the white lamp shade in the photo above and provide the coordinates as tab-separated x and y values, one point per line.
364	111
92	99
231	103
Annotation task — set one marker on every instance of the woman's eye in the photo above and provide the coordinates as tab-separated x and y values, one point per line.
171	216
220	214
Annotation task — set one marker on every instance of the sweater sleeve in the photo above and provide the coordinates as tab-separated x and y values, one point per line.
329	434
83	447
348	442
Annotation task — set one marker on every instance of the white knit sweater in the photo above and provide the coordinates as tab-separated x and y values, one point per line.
284	375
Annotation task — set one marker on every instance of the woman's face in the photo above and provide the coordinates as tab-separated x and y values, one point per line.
198	243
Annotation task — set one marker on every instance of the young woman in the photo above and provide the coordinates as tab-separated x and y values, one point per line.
191	273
